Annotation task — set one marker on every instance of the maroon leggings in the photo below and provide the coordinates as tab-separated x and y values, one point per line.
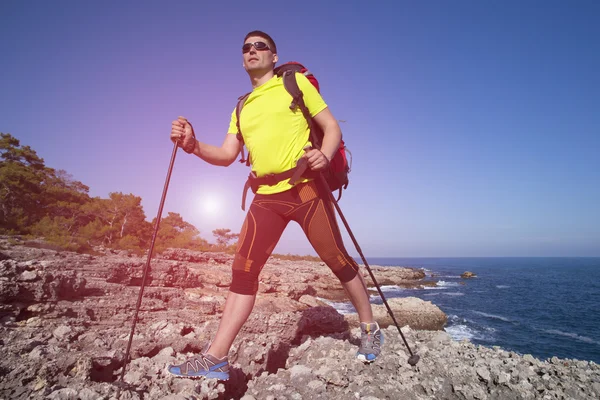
265	222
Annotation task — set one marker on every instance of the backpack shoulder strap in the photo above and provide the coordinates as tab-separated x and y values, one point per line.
291	85
238	113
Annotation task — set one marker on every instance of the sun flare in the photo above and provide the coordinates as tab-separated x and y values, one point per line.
210	204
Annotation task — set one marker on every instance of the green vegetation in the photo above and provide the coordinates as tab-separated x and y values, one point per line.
224	237
294	257
38	201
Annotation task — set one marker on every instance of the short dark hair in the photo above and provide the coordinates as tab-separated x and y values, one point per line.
263	35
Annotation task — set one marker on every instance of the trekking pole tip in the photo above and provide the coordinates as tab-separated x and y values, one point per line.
414	359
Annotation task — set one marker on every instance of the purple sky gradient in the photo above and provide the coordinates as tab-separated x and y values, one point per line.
474	126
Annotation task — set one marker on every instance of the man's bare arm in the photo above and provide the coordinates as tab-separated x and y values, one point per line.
222	156
319	159
182	131
331	130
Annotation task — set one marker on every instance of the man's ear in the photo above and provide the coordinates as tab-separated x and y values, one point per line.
275	58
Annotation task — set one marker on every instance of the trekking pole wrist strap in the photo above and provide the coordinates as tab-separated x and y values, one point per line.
192	147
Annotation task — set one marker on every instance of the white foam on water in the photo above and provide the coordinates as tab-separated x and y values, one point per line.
460	332
390	288
341	307
500	317
572	335
431	294
453	294
447	284
502	286
440	285
462	329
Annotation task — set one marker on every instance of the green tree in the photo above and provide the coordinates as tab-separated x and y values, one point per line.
63	201
115	218
22	173
64	197
50	203
224	236
177	233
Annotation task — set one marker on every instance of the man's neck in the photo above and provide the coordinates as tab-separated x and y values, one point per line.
260	77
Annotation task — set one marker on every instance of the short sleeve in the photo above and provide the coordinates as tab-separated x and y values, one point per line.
312	98
233	130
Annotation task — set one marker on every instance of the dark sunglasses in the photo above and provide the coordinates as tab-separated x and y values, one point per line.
259	46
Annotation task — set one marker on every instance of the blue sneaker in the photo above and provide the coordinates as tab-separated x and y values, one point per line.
371	340
203	365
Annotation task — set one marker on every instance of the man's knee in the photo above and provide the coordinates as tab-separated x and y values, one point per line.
343	267
245	273
346	273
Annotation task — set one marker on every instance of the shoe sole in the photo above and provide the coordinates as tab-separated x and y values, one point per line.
361	357
221	376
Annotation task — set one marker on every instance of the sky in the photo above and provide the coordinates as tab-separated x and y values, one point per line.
474	126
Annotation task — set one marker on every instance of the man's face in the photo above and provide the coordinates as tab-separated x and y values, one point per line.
258	60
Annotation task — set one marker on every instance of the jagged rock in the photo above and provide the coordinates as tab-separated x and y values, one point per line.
196	256
66	320
28	276
21	282
63	394
311	301
467	275
88	394
412	311
62	332
400	276
8	290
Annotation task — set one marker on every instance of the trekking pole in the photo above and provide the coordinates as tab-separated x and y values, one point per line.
414	358
147	268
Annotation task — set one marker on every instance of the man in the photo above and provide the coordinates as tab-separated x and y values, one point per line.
276	138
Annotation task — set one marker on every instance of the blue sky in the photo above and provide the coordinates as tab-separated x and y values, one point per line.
473	125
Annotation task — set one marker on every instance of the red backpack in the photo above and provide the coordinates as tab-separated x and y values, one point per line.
336	174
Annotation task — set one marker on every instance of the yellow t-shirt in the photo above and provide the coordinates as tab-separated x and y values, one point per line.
275	135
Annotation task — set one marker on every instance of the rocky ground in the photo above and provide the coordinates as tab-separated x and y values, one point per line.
65	320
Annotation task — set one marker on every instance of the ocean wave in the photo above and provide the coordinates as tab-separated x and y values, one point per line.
455	319
390	288
462	328
572	335
493	316
341	307
502	286
461	332
446	284
453	294
440	285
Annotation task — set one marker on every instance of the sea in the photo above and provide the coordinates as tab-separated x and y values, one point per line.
545	307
